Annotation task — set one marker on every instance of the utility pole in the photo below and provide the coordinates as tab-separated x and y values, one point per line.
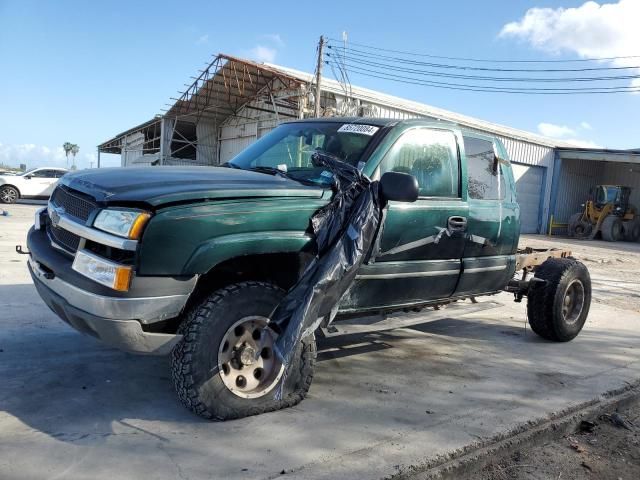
319	76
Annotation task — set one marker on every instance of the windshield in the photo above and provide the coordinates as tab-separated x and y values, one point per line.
607	195
290	146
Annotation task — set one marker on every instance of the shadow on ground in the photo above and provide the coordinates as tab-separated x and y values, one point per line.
66	385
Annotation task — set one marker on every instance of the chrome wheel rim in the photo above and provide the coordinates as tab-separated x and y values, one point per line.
247	362
8	195
573	302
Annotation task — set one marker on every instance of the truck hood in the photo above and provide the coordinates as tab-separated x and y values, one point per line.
159	185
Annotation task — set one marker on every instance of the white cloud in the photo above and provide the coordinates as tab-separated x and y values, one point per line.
567	134
202	39
40	156
582	143
591	30
267	50
555	131
262	53
274	38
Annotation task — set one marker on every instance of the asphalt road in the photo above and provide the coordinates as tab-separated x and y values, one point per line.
71	408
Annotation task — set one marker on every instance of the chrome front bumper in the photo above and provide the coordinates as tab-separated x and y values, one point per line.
114	320
144	309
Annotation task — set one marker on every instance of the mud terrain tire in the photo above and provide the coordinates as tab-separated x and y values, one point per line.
195	365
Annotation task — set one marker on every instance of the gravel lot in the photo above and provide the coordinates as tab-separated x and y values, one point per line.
614	267
381	404
608	451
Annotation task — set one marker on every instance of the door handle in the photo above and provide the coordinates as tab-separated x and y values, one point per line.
457	224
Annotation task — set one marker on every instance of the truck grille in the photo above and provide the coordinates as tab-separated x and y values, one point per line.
64	238
74	204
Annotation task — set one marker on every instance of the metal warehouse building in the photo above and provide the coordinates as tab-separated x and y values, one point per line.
234	101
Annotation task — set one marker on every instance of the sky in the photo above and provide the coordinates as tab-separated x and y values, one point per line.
83	71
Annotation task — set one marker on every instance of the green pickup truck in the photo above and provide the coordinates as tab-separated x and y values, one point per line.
192	261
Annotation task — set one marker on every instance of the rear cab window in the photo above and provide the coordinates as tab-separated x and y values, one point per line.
485	173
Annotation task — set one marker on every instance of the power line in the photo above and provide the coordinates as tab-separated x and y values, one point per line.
359	53
386	66
487	60
488	89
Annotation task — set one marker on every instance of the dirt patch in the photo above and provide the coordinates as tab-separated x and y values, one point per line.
613	267
606	447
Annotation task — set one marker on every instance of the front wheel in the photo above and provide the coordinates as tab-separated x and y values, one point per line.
558	306
9	194
225	367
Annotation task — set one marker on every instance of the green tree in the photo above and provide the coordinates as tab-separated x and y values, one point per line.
67	150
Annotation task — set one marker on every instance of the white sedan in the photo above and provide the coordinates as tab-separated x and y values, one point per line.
36	183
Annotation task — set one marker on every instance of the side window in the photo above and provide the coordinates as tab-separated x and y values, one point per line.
481	170
431	156
41	173
58	173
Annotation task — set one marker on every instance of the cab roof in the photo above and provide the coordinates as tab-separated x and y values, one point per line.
378	122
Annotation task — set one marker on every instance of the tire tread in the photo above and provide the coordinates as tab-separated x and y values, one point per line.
541	298
181	360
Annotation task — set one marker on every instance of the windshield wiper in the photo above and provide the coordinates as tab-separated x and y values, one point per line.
231	165
271	170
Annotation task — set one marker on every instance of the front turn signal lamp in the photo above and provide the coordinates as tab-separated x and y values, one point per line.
121	222
105	272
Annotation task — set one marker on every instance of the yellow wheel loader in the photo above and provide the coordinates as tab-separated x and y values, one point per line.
608	214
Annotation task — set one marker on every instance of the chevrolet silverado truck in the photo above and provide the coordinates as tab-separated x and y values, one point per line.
192	261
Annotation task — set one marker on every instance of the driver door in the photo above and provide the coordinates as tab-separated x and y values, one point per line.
422	242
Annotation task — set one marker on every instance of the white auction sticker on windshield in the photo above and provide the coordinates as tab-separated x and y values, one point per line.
357	128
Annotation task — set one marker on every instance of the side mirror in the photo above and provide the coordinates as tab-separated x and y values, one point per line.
28	177
400	187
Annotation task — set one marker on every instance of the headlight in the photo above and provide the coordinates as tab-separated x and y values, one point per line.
124	223
100	270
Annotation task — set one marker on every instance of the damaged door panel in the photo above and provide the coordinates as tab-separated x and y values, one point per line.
422	242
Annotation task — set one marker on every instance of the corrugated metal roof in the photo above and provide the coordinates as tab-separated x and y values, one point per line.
334	86
601	155
113	145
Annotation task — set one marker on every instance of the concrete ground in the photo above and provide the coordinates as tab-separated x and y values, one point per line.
381	403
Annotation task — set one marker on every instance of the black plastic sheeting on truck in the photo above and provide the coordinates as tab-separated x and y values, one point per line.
345	233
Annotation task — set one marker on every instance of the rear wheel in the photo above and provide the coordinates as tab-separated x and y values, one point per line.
225	367
632	230
558	307
612	229
9	194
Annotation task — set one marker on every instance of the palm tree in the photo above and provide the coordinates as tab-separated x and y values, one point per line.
67	150
74	151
